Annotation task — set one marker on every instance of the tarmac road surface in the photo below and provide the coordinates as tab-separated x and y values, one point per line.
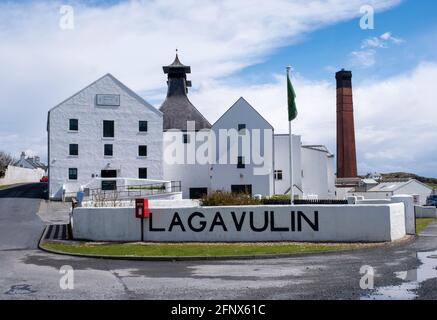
401	271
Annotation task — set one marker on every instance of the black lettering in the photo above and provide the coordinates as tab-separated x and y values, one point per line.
151	228
314	226
273	228
238	224
176	221
293	221
218	221
266	222
202	223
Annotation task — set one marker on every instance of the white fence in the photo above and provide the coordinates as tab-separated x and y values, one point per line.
15	175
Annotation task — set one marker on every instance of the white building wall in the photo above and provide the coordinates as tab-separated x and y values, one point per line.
282	155
226	175
315	173
415	188
191	175
331	177
89	137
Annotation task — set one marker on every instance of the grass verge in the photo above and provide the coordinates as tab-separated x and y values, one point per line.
194	250
421	223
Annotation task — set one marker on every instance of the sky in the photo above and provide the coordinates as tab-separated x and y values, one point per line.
235	48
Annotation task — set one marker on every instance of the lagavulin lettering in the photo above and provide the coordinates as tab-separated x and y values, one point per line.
197	222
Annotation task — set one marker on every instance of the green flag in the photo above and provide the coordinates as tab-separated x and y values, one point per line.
292	110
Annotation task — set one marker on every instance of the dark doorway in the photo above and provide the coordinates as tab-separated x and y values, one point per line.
242	188
198	193
108	185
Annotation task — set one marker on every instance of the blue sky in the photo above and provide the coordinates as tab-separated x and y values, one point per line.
235	48
413	20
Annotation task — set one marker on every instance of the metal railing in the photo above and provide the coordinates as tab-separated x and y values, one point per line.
128	192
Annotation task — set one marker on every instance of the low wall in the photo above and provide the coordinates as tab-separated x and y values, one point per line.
15	175
343	223
425	212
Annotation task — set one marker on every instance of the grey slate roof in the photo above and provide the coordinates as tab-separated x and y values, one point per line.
178	110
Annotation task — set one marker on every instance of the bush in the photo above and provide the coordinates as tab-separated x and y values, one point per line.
224	198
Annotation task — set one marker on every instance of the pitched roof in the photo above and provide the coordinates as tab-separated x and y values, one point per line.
393	186
178	110
244	101
120	84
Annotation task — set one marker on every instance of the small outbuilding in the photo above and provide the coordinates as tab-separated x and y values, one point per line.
386	190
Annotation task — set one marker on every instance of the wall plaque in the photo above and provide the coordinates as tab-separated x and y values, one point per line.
108	100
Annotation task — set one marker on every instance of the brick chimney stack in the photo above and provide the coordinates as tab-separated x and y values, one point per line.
346	153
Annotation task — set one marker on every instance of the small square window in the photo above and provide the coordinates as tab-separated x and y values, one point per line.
108	128
142	173
143	126
74	150
241	164
186	138
74	125
241	129
72	173
142	151
278	175
109	150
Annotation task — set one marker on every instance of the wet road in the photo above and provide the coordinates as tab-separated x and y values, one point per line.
402	271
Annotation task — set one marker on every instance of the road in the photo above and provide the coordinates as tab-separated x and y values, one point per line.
401	271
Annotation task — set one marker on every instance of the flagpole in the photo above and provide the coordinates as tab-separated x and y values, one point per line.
290	154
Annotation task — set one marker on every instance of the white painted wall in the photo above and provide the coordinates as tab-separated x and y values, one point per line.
282	162
91	159
225	175
15	175
315	173
416	188
425	212
191	175
346	223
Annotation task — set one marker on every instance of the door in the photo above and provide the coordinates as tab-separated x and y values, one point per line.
198	193
108	185
242	188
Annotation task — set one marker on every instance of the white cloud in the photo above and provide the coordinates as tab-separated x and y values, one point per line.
366	57
394	118
363	58
44	64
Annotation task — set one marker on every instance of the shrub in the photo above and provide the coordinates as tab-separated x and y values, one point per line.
224	198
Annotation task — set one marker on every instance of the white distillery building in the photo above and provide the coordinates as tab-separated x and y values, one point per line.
106	130
386	190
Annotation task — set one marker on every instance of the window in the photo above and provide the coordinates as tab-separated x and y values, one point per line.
186	138
241	164
109	185
74	149
108	128
278	174
74	125
198	193
142	173
241	129
109	150
142	126
72	174
142	151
